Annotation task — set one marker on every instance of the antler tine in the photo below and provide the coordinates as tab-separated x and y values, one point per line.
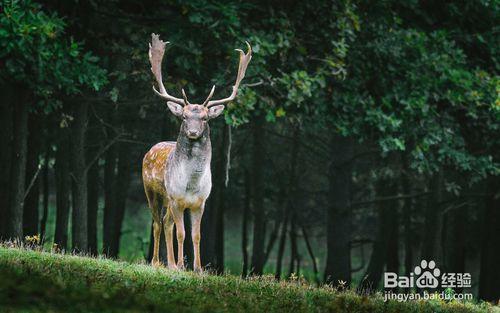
244	61
209	96
186	102
156	51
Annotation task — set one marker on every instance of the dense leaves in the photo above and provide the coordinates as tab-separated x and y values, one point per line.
412	90
37	54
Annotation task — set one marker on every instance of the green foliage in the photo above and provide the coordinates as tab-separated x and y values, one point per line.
383	77
39	56
291	59
39	281
381	72
416	91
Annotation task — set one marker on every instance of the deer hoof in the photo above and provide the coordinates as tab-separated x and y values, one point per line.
180	267
172	267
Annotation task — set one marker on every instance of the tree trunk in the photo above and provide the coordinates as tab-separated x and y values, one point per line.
244	228
93	183
259	214
489	288
46	192
278	220
93	186
6	128
79	176
273	237
387	227
219	230
18	171
32	201
392	240
63	187
207	245
292	203
121	192
109	199
407	214
433	220
373	274
294	251
220	202
281	247
338	262
117	175
454	254
311	254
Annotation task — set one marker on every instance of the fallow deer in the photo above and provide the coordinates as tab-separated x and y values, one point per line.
176	175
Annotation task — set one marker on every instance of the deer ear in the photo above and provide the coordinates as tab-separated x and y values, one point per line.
215	111
175	108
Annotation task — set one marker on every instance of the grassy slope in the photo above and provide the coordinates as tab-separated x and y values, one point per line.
136	228
38	281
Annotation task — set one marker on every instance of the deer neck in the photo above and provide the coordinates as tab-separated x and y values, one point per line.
195	152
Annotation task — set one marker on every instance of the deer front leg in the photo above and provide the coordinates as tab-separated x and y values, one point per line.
178	216
168	226
196	216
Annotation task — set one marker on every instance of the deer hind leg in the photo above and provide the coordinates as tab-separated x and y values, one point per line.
155	210
178	216
168	226
196	215
150	195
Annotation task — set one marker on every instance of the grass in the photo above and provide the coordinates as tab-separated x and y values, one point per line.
136	228
33	281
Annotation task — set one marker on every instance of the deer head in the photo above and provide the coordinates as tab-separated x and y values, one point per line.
194	116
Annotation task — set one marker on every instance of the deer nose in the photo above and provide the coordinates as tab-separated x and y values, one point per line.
192	133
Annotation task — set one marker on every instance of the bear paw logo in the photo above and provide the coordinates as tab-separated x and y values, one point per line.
428	274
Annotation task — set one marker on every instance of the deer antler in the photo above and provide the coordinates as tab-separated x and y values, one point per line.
156	51
185	97
244	60
209	96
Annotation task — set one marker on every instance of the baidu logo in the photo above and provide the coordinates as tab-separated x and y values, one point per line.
427	275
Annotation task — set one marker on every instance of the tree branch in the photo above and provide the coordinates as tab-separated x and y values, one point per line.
32	182
389	198
101	151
